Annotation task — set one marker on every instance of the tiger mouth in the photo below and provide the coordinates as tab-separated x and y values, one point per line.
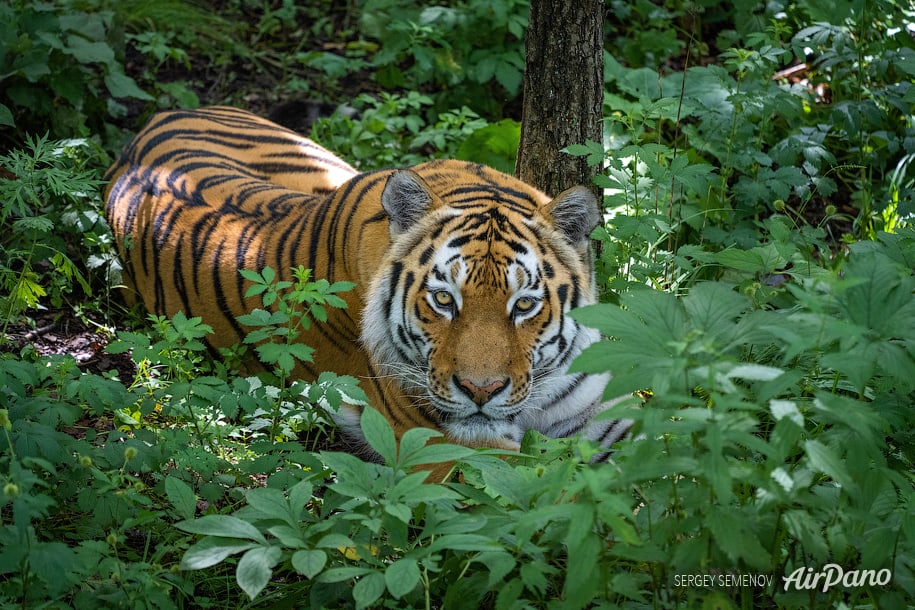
481	429
455	413
479	419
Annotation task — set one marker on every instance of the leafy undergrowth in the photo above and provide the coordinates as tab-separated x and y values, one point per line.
770	440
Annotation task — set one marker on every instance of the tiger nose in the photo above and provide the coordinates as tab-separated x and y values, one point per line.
481	392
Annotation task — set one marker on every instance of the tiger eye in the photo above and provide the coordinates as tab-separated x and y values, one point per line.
524	304
443	298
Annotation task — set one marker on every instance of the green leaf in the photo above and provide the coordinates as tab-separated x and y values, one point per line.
808	531
54	563
211	550
270	504
120	85
289	536
436	454
401	512
181	496
533	577
86	52
709	304
276	353
379	435
406	487
368	589
252	276
498	565
402	576
255	568
509	593
341	574
262	317
226	526
495	145
464	542
40	224
415	439
733	535
509	77
742	260
823	459
6	116
309	563
875	292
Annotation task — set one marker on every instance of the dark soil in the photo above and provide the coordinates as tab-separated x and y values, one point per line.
60	332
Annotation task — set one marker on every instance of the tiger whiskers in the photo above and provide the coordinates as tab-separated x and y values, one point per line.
413	379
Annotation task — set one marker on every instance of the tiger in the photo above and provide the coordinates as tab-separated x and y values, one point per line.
464	276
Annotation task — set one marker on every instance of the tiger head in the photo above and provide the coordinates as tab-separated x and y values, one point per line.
468	309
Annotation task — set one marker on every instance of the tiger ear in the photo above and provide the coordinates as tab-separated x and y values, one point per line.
406	197
575	213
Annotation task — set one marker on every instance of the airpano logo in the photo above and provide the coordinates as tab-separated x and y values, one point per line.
833	575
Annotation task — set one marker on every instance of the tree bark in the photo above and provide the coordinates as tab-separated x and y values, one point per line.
563	93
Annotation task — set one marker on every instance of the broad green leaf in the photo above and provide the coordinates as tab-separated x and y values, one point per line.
498	565
289	536
402	576
711	304
509	77
225	526
662	318
509	594
414	494
341	574
120	85
211	550
415	439
379	435
436	454
270	504
401	512
301	352
255	567
181	496
495	145
533	577
463	542
733	535
6	116
53	562
823	459
875	292
354	476
335	541
86	52
299	495
368	589
742	260
405	487
808	531
581	583
309	563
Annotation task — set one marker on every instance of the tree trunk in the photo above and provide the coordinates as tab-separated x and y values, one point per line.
563	93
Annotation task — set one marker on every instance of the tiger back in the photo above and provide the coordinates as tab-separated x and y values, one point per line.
464	275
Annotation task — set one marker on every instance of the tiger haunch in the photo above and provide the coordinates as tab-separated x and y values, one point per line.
464	275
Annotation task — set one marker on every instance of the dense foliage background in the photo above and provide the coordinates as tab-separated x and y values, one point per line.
757	274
